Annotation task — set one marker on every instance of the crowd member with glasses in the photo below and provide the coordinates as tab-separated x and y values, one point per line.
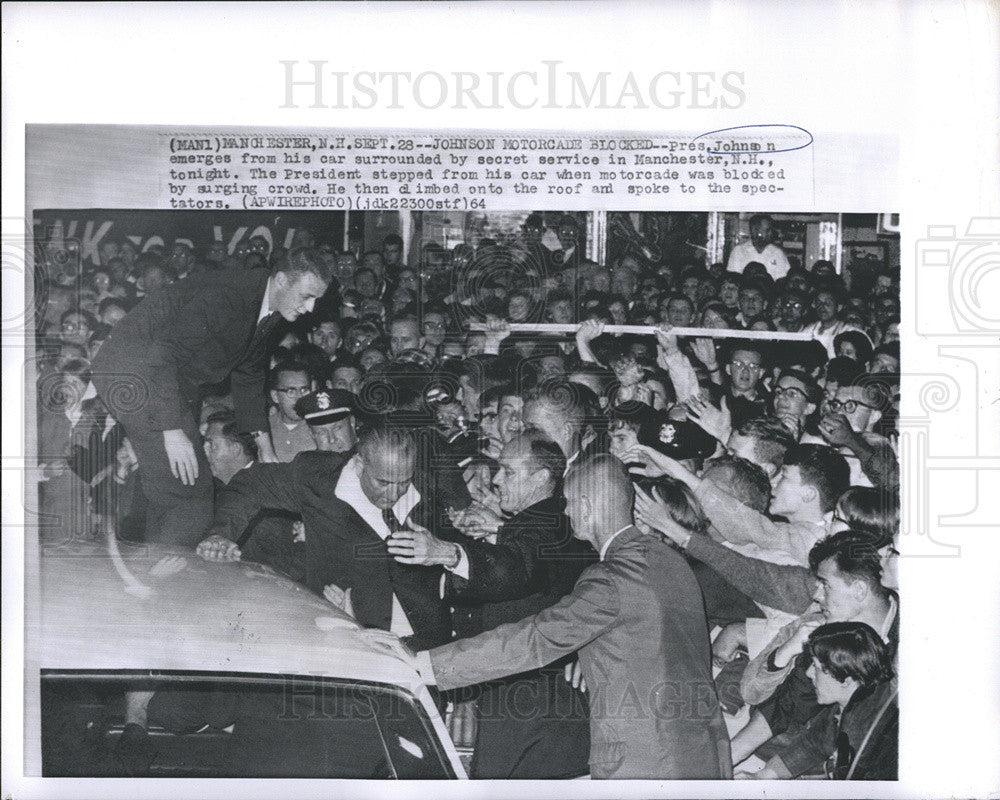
76	327
289	432
747	398
849	426
796	398
792	309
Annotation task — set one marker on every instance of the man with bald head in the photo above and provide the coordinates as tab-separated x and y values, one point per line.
638	621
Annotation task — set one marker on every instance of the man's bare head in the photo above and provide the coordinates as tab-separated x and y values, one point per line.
599	498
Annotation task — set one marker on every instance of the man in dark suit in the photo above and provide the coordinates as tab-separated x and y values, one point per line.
196	332
350	506
638	622
532	725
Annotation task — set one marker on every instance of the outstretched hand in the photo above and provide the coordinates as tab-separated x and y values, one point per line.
419	546
653	463
716	422
341	598
650	510
666	345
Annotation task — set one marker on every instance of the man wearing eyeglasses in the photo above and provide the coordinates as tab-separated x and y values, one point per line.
791	311
796	397
747	398
290	434
849	425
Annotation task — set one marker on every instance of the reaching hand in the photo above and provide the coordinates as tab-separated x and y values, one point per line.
218	548
717	422
181	455
666	345
704	349
653	463
476	521
652	511
341	598
496	331
389	644
574	676
589	330
419	546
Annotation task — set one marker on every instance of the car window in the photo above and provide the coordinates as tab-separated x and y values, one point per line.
211	725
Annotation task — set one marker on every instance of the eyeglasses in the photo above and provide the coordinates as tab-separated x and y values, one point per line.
745	365
791	391
434	325
294	391
69	327
849	406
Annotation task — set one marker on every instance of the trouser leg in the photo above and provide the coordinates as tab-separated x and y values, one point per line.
176	514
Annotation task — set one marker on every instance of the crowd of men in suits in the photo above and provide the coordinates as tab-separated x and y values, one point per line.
632	556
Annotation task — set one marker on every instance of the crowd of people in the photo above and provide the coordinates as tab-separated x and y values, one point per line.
629	556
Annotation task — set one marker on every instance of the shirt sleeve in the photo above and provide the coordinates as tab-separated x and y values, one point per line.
760	680
741	524
781	586
682	376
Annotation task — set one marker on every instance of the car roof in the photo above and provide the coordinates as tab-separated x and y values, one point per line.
148	607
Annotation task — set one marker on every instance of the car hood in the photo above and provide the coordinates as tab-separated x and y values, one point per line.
157	608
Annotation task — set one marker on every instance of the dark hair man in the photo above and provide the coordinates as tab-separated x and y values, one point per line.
533	725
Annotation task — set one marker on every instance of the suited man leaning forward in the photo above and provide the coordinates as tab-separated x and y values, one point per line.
350	507
638	622
195	332
533	724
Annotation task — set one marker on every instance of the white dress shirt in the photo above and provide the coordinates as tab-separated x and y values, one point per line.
615	535
349	490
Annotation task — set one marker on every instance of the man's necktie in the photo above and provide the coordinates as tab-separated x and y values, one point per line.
393	524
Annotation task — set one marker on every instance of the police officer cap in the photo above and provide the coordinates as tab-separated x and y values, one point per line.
325	406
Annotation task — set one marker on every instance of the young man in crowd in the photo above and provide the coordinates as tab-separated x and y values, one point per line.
289	381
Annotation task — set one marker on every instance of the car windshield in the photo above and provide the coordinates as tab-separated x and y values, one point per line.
233	725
